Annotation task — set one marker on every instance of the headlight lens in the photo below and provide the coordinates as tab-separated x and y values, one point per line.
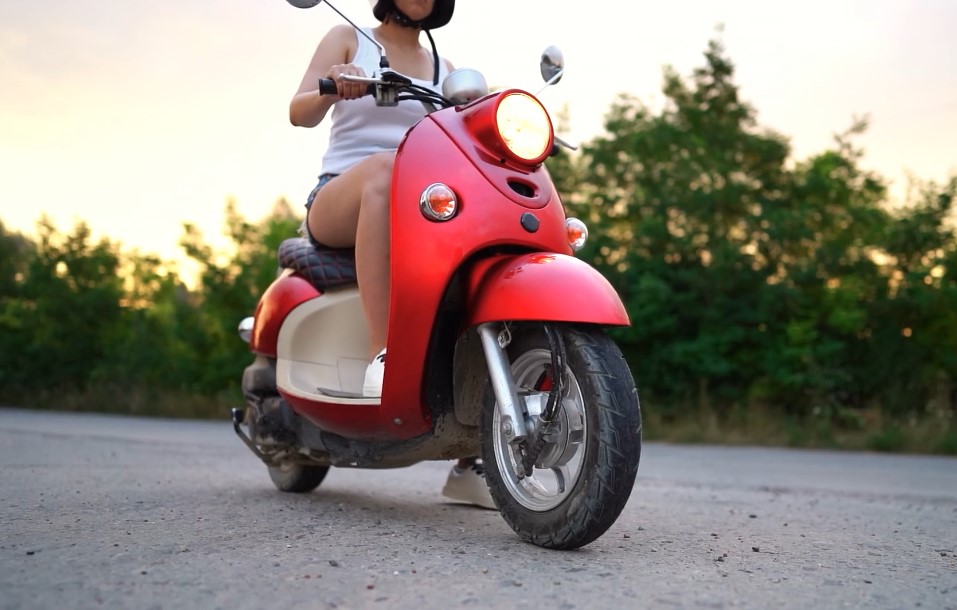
524	127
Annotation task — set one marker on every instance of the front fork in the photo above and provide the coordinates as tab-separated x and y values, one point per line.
495	338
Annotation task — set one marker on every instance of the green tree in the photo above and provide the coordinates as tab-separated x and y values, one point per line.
917	318
57	326
152	342
820	241
15	250
15	253
677	199
229	290
753	279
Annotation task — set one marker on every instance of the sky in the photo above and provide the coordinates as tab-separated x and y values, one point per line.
136	117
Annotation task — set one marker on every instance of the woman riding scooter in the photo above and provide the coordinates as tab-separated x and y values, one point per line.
349	207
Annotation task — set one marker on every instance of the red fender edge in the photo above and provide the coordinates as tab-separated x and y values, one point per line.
542	286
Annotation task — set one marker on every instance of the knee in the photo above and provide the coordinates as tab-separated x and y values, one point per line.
378	182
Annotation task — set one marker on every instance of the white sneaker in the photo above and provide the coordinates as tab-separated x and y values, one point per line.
372	386
468	485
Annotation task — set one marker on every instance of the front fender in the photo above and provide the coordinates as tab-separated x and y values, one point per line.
542	286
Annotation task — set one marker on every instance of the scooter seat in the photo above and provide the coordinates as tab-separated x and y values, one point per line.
324	267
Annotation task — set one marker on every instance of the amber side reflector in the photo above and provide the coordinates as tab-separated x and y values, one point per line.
438	202
577	233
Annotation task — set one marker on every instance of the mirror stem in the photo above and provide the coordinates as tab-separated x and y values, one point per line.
551	81
383	61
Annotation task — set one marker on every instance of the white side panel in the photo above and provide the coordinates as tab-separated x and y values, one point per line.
324	343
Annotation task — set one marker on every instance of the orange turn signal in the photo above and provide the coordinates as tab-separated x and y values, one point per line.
438	202
577	233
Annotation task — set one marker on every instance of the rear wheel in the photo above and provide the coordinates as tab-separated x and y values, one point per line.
585	473
297	478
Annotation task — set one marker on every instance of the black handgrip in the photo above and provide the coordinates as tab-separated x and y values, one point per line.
327	86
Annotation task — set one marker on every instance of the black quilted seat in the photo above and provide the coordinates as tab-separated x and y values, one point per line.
324	267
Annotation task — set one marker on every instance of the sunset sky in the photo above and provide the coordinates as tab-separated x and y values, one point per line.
139	116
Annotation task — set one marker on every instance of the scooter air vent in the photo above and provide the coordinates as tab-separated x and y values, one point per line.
523	189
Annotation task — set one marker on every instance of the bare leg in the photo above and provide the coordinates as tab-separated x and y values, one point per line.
353	210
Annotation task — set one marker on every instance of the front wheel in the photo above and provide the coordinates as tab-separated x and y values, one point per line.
584	475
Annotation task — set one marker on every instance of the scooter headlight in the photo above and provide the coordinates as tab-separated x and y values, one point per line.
524	127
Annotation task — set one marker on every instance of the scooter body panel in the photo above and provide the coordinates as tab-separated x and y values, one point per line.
542	286
425	256
285	294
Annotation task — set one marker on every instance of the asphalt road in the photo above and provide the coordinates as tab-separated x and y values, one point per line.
115	512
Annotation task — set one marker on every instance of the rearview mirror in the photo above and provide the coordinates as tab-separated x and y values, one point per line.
553	64
304	3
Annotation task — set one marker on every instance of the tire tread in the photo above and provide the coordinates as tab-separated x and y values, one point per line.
598	499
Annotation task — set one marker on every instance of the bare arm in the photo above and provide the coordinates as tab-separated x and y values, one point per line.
337	48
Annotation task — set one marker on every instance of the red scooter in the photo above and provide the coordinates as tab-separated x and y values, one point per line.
495	346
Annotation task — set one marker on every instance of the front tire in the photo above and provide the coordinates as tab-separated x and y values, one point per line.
584	476
297	478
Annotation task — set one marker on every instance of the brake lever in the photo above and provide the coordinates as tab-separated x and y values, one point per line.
385	87
351	78
394	78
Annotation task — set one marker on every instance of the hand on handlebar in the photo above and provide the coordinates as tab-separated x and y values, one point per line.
349	82
345	89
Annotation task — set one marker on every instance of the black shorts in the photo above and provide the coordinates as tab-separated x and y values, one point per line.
304	229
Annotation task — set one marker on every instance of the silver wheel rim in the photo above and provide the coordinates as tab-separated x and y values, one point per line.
560	463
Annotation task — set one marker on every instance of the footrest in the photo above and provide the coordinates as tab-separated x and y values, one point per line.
339	393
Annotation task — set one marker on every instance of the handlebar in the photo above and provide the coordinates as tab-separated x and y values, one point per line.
327	86
389	89
397	83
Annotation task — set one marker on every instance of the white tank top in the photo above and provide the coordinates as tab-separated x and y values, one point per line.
360	128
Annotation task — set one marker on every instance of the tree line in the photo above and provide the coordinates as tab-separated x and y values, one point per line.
85	325
753	281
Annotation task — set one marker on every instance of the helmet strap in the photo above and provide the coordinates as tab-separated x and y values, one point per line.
435	59
401	19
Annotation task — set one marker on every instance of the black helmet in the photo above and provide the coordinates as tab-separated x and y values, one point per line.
441	13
